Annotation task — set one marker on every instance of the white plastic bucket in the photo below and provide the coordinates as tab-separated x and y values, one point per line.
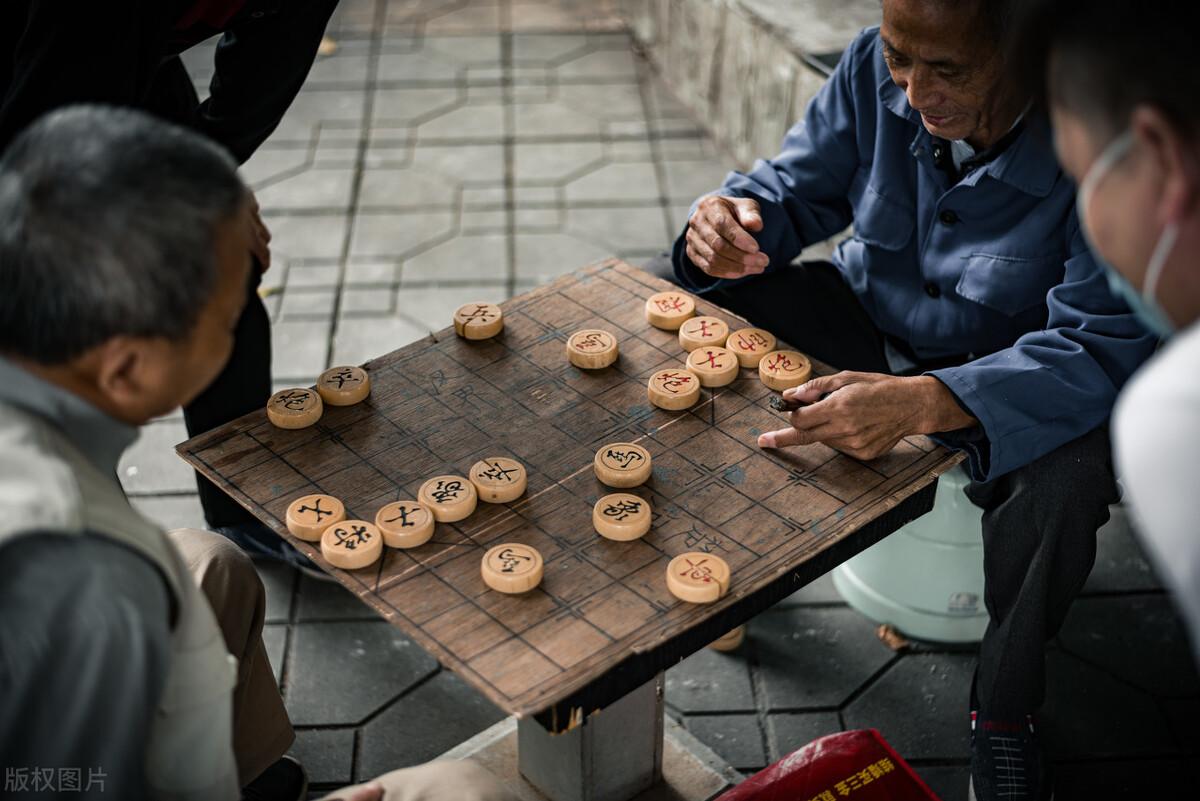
926	579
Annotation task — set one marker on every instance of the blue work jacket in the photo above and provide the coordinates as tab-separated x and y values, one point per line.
994	265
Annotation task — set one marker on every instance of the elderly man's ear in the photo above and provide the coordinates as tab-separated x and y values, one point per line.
127	377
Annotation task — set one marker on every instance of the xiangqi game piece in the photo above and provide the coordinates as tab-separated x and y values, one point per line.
622	464
308	517
673	389
344	386
621	516
700	331
498	479
512	568
294	408
592	349
730	640
750	345
715	367
405	524
784	369
351	544
478	321
698	578
668	310
450	498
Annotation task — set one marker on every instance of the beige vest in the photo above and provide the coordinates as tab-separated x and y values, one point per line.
46	484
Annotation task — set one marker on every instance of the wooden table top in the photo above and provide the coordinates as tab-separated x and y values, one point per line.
602	622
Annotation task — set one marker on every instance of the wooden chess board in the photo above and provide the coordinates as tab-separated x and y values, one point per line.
602	622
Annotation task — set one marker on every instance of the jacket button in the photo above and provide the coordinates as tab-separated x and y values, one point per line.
948	217
932	290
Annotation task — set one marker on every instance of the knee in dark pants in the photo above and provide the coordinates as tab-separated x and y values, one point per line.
1039	529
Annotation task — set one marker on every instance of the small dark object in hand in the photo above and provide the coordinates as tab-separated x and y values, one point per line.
782	404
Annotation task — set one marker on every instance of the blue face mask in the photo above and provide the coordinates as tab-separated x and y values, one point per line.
1143	304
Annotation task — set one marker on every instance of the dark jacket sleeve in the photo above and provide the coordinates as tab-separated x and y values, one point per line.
1089	348
84	652
58	52
802	191
261	63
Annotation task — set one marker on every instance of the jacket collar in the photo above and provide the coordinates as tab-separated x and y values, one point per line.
1028	164
99	437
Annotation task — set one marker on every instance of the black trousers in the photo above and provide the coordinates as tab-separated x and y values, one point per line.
245	383
1039	521
243	386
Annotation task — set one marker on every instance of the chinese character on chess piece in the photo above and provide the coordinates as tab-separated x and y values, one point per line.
698	577
478	321
673	389
701	331
343	386
592	349
450	498
512	568
405	524
294	408
714	366
784	369
750	345
622	516
622	464
669	310
351	544
309	516
498	479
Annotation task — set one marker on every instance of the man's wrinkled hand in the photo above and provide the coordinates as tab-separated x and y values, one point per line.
719	239
864	415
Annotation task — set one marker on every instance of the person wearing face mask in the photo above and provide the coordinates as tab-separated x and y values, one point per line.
966	306
1128	129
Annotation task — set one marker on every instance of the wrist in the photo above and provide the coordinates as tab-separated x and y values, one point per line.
940	409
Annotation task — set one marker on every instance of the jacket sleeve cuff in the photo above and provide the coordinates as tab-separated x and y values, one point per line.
689	276
974	441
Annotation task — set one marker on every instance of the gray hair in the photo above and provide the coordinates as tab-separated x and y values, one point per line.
107	228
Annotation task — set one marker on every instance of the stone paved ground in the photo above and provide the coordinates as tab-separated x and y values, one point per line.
456	150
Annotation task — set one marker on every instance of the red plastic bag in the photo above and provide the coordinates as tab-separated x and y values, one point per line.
851	765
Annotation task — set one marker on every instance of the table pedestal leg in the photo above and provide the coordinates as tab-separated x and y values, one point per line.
613	755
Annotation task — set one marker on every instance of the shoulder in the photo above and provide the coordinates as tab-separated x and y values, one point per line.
82	595
39	487
1155	415
864	55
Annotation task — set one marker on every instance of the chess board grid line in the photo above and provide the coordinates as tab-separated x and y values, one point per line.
646	636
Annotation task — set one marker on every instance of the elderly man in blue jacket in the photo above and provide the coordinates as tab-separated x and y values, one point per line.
965	306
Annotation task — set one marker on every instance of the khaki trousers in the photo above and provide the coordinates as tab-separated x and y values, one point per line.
262	732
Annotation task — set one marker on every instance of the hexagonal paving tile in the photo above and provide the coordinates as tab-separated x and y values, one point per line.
736	738
1090	713
326	754
811	658
342	672
789	731
424	724
1116	634
708	681
920	706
